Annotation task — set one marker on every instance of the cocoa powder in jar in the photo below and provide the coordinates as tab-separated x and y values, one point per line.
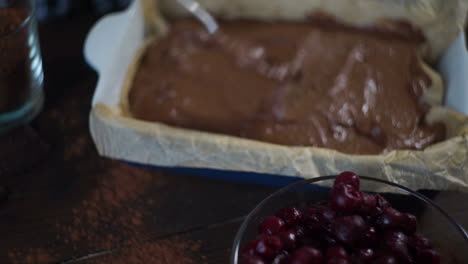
14	59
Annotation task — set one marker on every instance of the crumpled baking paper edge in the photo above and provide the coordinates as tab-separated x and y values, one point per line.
442	166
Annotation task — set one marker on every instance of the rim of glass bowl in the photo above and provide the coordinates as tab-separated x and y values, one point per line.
237	240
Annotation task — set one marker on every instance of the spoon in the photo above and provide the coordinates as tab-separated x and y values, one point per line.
200	12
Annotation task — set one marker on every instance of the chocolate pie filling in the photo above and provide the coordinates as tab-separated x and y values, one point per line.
299	84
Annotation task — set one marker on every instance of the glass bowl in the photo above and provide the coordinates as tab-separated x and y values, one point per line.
448	237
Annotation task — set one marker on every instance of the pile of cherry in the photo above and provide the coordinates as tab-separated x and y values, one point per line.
352	227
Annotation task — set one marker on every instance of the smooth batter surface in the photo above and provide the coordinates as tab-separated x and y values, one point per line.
299	84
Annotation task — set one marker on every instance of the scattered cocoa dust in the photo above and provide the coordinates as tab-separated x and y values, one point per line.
171	251
114	207
69	121
113	216
31	256
77	148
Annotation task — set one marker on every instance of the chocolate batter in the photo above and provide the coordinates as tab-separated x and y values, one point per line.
300	84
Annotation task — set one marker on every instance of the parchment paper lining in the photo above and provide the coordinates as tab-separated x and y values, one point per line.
118	135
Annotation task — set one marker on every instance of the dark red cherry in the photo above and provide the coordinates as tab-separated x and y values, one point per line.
390	218
382	203
306	255
349	229
249	249
370	238
327	214
428	256
291	216
396	235
281	259
318	218
410	224
268	246
311	242
289	239
395	242
419	242
348	177
312	219
329	239
299	231
344	198
337	252
368	205
272	225
397	247
251	259
363	256
385	259
338	261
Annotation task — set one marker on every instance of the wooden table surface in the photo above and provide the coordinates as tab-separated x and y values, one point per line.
51	169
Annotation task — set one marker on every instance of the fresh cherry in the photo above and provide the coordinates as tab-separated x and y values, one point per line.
363	256
418	242
368	205
299	231
291	216
428	256
338	261
306	255
396	235
329	239
385	259
337	252
289	239
348	177
268	246
326	213
349	229
396	243
391	218
312	219
250	248
382	203
280	259
345	198
370	238
410	224
272	225
251	259
311	242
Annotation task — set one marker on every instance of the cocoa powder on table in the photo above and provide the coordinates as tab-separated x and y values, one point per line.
113	212
14	53
112	217
169	251
77	148
31	256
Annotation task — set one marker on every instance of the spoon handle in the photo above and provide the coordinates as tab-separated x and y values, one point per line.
197	10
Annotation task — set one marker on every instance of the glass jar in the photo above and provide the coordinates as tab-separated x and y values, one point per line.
21	74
